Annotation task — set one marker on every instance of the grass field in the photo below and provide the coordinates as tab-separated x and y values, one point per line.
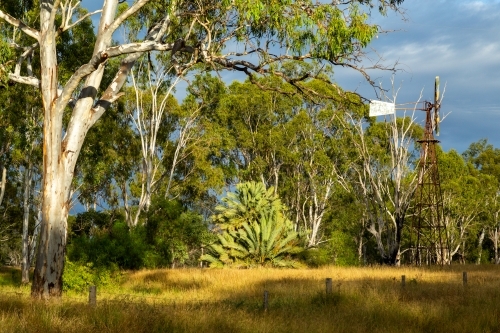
195	300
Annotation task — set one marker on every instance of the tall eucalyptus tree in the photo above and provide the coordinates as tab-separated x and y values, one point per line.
384	178
190	33
484	160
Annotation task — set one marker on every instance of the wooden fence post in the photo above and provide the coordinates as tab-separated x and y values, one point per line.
464	278
266	300
329	287
93	295
403	281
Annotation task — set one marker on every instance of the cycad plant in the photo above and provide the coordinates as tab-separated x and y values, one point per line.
246	205
255	231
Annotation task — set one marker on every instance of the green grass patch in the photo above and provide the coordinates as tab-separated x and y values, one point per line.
230	300
10	276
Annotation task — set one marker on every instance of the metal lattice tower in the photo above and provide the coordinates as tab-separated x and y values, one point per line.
430	241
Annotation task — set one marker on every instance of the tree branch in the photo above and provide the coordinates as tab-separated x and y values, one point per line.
67	25
21	25
29	80
126	14
28	52
103	56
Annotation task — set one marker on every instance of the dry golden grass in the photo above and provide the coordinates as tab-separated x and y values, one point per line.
194	300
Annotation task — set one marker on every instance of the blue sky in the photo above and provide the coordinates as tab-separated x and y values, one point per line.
458	40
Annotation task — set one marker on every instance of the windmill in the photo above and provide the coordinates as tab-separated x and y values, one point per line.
429	241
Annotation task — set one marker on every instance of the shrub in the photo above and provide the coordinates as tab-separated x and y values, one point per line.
79	276
116	246
255	231
174	233
316	257
343	249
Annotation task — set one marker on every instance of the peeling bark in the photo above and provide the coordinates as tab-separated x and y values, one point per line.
59	154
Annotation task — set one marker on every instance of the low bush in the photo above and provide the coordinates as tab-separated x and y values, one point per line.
316	257
79	276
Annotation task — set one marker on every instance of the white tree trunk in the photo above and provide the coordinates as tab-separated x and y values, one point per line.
36	234
185	137
25	262
494	235
386	190
3	184
60	155
480	246
49	265
495	242
147	120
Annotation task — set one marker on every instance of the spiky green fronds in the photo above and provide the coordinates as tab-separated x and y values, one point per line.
256	231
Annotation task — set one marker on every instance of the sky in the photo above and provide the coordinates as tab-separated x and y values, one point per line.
457	40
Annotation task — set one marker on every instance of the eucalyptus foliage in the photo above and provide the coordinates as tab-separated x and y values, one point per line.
191	35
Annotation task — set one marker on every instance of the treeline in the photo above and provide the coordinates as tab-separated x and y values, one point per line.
320	182
149	147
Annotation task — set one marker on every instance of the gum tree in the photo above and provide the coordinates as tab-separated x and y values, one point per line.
251	37
383	176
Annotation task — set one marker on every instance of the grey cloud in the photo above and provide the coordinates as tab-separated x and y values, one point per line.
460	42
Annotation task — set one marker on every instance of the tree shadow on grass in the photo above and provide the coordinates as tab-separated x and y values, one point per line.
294	305
374	305
10	276
156	282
